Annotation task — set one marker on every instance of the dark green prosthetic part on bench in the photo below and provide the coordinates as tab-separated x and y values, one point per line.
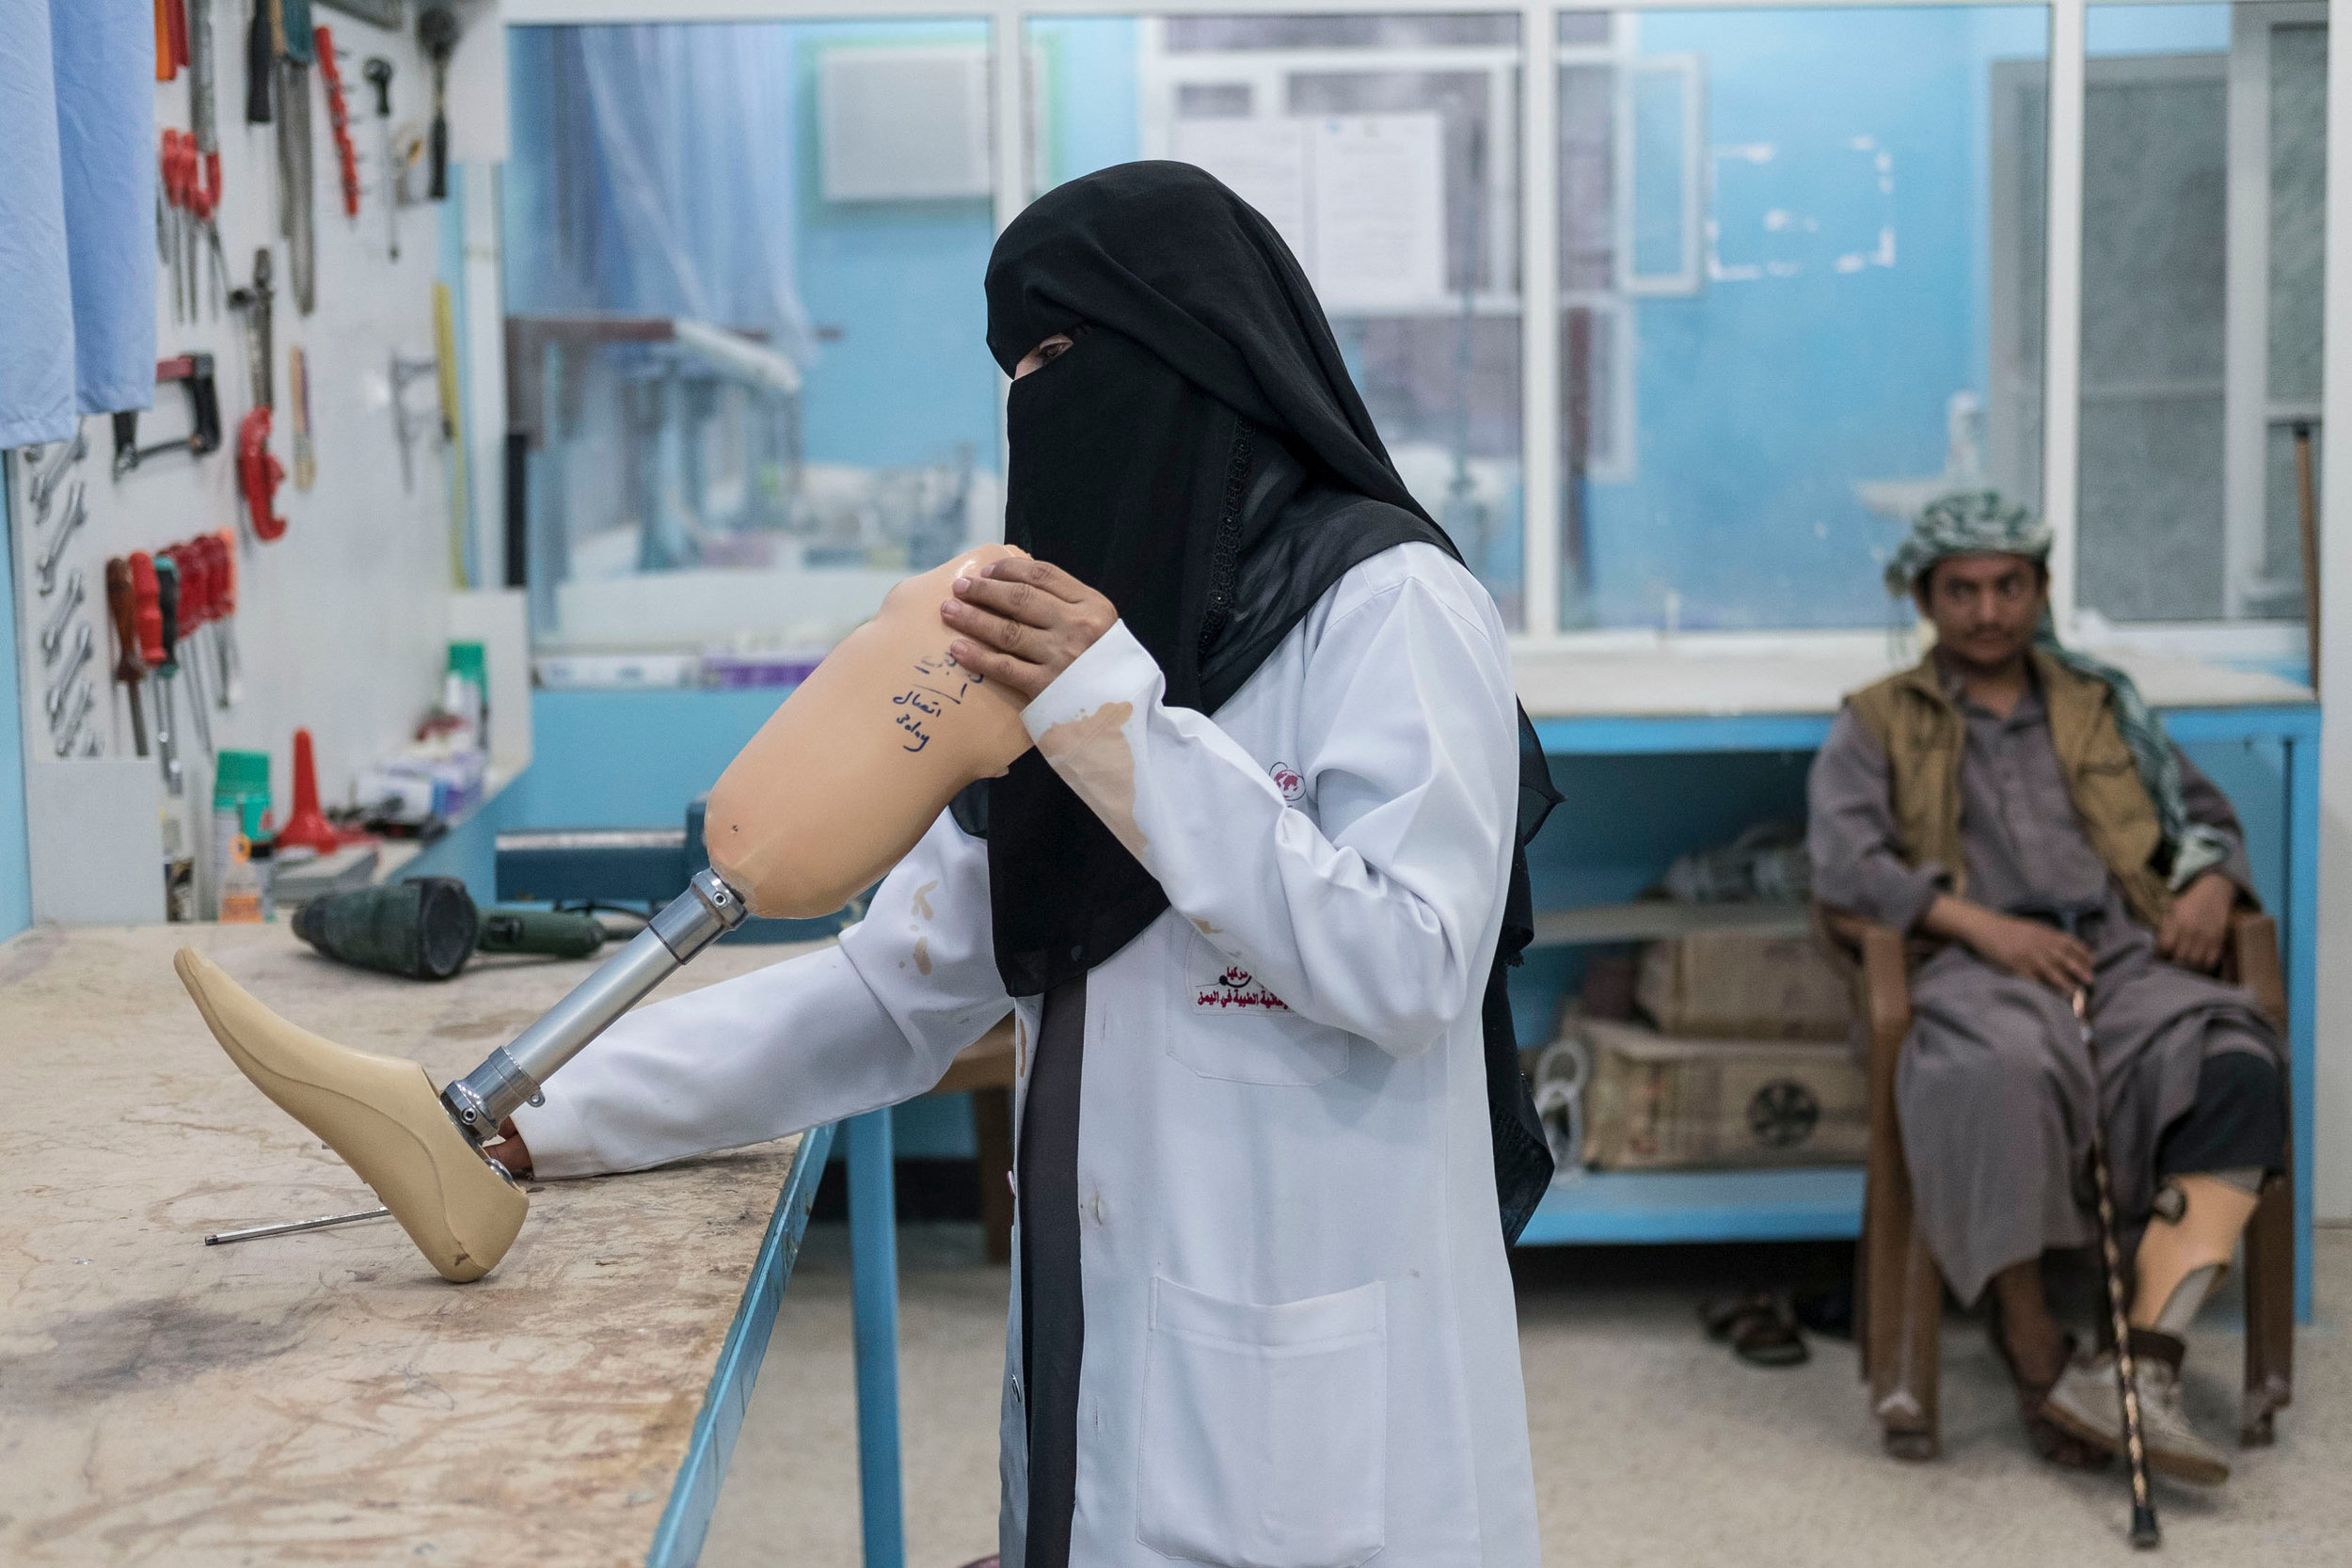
425	928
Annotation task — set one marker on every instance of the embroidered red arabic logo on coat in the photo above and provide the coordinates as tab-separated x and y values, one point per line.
1237	988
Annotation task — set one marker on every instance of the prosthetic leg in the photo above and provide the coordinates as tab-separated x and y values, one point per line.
839	784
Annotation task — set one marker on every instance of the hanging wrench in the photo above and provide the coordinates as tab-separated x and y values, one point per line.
84	646
53	634
77	513
84	701
45	479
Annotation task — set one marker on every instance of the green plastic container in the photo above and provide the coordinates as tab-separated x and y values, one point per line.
240	800
469	664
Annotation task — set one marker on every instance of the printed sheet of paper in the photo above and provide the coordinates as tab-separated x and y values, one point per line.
1377	196
1361	199
1264	161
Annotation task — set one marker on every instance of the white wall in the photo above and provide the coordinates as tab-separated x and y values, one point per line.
343	621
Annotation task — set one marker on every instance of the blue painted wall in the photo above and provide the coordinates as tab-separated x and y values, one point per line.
1762	398
16	885
910	376
1088	87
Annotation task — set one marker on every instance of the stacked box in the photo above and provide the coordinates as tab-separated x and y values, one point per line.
1749	1064
1744	985
1660	1102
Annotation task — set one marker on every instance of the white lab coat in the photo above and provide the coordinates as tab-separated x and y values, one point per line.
1301	1347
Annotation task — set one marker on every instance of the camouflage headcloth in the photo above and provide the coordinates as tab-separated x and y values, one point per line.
1984	522
1967	522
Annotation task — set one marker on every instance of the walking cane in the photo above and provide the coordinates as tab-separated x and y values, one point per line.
2145	1532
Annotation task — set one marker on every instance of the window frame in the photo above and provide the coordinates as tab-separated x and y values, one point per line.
1543	304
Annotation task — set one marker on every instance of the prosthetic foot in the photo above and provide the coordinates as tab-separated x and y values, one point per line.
381	1114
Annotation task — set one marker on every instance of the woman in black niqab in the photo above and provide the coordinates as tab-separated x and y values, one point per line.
1201	458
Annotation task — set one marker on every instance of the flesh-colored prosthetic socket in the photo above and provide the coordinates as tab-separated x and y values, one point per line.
862	759
2181	1257
381	1113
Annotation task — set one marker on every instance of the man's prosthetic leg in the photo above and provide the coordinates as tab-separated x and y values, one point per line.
839	784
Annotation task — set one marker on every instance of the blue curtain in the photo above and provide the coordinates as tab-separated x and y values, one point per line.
77	212
653	174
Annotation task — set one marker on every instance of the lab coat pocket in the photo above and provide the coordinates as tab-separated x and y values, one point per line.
1264	1430
1231	1025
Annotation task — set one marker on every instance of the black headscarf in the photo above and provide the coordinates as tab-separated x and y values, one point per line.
1201	458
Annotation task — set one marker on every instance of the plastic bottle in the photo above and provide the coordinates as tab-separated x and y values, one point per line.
466	692
240	797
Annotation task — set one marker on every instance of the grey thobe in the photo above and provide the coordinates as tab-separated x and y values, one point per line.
1995	1089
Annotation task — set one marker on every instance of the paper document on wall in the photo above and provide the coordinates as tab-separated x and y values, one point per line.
1263	161
1377	196
1359	198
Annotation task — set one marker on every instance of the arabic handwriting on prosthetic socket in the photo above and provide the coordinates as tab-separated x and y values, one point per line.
944	669
914	726
914	700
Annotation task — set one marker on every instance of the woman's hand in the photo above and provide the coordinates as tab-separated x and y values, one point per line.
2199	920
1022	622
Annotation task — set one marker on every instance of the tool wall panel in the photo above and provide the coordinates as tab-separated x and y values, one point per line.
342	614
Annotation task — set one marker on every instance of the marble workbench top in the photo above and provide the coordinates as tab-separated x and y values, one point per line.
324	1398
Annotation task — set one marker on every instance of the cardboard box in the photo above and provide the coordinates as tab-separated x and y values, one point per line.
1744	985
1658	1103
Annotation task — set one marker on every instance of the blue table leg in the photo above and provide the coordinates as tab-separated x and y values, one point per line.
2302	964
874	1294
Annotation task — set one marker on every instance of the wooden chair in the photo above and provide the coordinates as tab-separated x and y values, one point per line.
1898	1290
985	1067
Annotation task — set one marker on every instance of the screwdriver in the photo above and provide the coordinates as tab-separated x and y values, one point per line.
198	555
167	601
147	601
189	620
122	609
224	557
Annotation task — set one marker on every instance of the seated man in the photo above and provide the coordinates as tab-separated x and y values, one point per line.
2002	776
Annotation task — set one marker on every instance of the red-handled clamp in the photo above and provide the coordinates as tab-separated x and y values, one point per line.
259	474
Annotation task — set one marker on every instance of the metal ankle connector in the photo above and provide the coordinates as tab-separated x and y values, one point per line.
511	1075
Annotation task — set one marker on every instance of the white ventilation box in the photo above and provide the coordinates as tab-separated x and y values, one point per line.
905	125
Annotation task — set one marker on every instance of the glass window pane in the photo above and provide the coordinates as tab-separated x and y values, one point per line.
2201	338
1385	149
745	326
1754	404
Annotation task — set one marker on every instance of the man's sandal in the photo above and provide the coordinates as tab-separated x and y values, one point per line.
1759	1327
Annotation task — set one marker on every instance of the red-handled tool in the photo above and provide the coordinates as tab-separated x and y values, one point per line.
206	552
224	555
184	616
122	613
338	115
259	474
168	672
147	613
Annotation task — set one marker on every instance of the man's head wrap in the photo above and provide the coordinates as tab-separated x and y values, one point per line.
1985	522
1967	522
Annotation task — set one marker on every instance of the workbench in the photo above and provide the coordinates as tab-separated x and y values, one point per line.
1708	698
325	1397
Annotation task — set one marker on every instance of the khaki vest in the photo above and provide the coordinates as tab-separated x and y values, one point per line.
1924	737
